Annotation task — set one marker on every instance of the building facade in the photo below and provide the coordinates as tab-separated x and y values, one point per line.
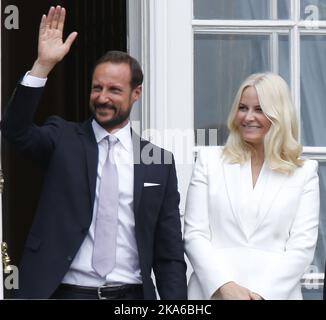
195	53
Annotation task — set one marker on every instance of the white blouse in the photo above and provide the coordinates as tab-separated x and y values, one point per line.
251	196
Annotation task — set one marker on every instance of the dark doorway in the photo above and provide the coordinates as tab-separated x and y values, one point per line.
101	25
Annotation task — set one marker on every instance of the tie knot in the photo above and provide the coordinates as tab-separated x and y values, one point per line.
112	140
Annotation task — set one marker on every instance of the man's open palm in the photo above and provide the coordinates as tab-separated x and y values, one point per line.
51	48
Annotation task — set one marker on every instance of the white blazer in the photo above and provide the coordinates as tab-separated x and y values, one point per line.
269	260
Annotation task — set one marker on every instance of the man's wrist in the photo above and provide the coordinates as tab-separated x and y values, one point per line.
40	70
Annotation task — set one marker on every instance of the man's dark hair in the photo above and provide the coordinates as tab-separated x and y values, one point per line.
117	57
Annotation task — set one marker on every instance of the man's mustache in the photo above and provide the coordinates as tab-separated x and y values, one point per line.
105	106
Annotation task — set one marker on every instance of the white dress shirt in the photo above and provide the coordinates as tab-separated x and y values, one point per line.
127	269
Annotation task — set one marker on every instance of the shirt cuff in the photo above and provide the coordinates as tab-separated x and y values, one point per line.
34	82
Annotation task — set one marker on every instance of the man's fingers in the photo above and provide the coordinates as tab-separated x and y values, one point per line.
55	20
62	17
72	37
43	23
49	17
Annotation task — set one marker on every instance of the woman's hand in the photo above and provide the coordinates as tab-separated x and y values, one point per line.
232	291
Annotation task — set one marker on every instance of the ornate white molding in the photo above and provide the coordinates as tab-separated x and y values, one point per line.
167	57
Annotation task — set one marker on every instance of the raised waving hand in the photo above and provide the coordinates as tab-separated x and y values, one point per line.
51	47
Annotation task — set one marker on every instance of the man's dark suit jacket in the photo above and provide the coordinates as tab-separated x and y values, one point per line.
69	154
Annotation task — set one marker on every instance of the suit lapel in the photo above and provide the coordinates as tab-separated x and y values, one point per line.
91	149
139	170
270	188
232	181
270	183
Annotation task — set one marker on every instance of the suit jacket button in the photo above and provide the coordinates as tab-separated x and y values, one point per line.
69	258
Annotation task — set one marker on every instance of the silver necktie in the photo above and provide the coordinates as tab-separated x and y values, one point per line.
104	254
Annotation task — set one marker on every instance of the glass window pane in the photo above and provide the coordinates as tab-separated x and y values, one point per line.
222	62
283	9
241	9
313	10
313	93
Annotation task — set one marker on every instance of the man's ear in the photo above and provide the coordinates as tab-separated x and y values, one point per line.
136	93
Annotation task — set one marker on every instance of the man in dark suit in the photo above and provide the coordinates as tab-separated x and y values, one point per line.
98	173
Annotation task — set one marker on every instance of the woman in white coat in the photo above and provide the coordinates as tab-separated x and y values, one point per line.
252	207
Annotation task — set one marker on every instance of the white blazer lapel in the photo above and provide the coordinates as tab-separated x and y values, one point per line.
270	184
232	182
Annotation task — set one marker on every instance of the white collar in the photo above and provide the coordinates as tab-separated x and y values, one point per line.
123	134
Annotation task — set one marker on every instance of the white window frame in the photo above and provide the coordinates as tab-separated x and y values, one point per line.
168	86
167	28
134	47
295	27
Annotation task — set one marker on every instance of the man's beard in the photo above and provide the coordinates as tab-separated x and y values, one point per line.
116	120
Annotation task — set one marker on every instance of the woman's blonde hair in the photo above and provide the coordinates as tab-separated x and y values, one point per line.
281	146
